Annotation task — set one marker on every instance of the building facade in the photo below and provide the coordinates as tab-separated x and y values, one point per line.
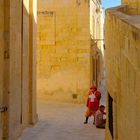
122	41
97	42
65	36
17	74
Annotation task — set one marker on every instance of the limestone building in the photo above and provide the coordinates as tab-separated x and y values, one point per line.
66	36
122	42
17	63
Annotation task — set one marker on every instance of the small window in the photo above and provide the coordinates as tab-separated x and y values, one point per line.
110	114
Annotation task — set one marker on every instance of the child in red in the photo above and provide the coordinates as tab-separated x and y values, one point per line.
93	102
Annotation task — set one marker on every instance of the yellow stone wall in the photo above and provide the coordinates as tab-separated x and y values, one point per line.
63	50
17	20
32	59
1	59
122	40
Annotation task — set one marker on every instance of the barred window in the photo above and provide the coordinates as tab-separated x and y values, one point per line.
110	114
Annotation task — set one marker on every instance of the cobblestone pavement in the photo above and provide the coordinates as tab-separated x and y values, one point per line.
62	121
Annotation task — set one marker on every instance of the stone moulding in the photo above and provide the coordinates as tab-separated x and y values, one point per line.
120	12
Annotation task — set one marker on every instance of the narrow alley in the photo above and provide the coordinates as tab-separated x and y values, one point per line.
62	121
64	60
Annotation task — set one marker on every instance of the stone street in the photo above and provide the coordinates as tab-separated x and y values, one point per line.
62	121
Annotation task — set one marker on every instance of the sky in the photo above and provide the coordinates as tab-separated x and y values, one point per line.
110	3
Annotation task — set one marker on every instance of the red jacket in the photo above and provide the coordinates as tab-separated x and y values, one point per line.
93	100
